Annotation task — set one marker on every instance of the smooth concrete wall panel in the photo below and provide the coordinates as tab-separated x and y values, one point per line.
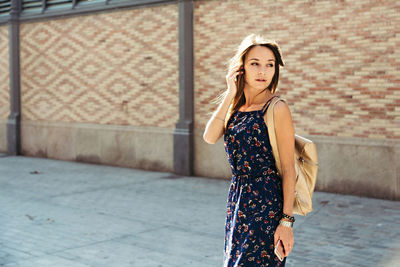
3	136
148	148
34	139
113	148
154	150
87	145
61	142
358	169
210	159
136	147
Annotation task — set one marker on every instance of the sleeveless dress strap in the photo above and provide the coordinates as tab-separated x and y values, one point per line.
266	105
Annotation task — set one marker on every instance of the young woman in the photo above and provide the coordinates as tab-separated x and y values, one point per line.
260	202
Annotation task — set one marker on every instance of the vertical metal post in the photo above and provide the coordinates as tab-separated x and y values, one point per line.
43	6
14	119
183	135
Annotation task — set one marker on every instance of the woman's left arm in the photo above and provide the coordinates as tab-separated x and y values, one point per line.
284	131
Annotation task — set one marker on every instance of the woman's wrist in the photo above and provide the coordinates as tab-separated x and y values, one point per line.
288	212
286	223
230	94
288	217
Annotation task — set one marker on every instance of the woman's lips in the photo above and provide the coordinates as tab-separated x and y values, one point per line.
260	80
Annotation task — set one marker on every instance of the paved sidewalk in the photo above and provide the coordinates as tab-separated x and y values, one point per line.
56	213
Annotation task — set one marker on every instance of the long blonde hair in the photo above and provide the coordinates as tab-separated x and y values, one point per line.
238	59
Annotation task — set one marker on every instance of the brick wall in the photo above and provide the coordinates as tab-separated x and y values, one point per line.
118	67
4	74
342	60
84	76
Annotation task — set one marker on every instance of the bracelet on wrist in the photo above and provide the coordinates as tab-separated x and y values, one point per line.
286	223
290	218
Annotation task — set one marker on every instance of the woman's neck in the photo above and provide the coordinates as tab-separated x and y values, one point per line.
252	99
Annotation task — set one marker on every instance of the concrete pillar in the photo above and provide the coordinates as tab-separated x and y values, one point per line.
183	135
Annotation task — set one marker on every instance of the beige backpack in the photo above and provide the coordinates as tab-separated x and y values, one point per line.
305	161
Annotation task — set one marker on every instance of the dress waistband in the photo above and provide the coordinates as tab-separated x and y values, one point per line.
263	171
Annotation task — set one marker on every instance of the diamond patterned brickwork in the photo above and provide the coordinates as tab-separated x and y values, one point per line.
118	67
4	74
342	60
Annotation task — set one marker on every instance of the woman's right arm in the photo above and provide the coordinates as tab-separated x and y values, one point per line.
215	126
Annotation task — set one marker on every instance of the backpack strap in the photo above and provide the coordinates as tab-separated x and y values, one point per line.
265	107
272	135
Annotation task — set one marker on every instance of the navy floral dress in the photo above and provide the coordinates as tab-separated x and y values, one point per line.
255	198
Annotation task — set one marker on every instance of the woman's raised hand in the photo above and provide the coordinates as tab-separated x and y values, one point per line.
231	79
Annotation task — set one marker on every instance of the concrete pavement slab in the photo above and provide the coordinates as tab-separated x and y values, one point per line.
58	213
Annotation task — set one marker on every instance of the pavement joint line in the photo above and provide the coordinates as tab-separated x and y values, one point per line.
98	189
101	213
17	249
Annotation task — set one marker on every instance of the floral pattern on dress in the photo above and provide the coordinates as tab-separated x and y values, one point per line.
255	198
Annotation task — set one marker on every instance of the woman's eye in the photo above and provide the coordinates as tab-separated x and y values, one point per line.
254	63
271	65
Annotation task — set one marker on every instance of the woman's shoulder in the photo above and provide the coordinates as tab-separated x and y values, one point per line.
281	110
281	106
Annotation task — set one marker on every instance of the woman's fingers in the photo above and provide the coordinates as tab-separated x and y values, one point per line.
287	250
235	74
234	70
231	79
288	247
276	238
286	236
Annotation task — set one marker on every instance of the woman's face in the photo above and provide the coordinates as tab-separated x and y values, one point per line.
259	67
